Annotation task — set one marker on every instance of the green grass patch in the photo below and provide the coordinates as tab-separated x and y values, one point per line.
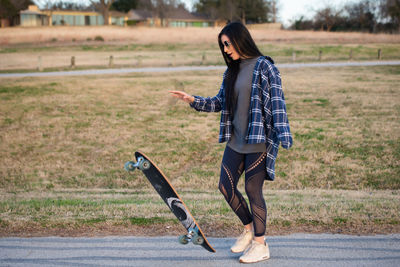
8	92
340	220
149	221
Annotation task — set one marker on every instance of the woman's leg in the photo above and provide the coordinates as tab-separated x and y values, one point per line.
231	169
255	176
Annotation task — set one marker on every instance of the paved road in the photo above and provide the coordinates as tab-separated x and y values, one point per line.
190	68
293	250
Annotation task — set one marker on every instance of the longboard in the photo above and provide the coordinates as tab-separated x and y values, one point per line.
175	203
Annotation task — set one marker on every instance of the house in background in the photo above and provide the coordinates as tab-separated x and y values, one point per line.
175	18
35	17
183	18
117	18
138	17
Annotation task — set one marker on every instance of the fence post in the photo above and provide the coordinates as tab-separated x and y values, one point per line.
111	62
203	58
172	62
72	62
320	55
351	54
294	56
379	54
40	67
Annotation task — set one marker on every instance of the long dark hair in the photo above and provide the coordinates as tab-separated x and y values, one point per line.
245	46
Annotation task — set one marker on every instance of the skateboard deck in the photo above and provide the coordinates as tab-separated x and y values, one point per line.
167	192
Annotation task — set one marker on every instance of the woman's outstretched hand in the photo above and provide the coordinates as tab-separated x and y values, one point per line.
182	96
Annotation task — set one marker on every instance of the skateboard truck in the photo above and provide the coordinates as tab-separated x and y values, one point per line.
141	164
193	235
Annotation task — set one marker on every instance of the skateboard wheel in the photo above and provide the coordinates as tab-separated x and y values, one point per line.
129	166
183	239
144	165
197	240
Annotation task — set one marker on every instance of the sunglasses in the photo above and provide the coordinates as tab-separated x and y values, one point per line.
227	44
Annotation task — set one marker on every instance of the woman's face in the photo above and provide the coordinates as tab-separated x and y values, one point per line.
228	47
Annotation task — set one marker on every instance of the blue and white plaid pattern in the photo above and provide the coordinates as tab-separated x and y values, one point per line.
268	122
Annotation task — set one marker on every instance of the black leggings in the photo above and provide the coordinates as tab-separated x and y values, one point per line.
232	167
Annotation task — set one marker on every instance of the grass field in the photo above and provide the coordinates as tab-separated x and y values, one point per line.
75	133
142	212
64	140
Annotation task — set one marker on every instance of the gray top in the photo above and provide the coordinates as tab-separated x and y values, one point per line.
242	92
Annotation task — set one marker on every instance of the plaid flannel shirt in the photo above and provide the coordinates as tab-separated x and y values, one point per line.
268	121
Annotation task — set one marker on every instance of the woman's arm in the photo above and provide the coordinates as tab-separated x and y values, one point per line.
205	104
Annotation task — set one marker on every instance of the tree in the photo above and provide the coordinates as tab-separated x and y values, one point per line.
209	8
248	11
360	16
9	9
326	18
256	11
163	8
302	24
6	9
145	4
104	8
363	15
390	9
274	10
124	5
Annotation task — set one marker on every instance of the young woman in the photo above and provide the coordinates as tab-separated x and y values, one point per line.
253	123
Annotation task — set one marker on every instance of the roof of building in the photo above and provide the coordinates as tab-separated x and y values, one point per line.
114	13
181	13
31	12
139	14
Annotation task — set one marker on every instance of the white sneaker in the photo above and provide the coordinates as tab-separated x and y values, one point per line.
243	242
257	252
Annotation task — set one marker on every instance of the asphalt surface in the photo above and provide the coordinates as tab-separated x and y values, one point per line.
190	68
292	250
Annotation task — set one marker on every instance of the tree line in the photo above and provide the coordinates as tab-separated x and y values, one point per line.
362	16
248	11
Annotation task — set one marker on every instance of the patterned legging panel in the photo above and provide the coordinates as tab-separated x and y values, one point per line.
232	167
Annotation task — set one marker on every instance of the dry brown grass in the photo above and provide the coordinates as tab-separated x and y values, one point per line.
78	131
144	35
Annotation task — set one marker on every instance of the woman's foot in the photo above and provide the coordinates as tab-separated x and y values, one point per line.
256	252
243	241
